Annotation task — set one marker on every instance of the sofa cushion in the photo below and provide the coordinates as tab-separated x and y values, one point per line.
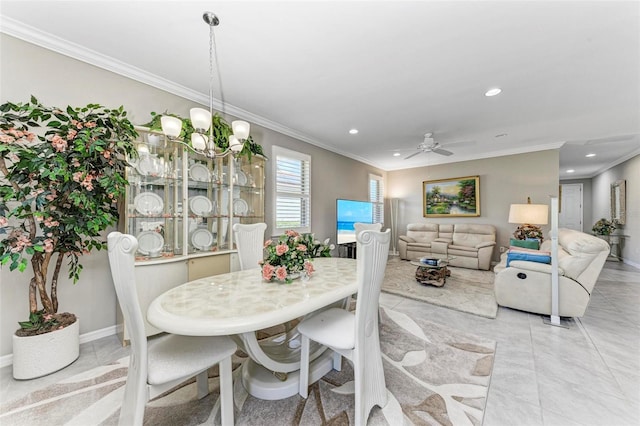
471	235
423	232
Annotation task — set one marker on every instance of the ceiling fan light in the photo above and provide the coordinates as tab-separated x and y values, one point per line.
240	129
200	119
493	92
171	126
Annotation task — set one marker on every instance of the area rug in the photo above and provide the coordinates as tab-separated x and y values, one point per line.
466	290
434	375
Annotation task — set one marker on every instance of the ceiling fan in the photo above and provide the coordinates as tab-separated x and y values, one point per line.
429	145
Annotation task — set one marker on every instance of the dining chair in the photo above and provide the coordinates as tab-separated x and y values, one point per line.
354	335
163	363
250	243
359	227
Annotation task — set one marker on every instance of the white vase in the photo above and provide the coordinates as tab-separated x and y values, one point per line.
37	356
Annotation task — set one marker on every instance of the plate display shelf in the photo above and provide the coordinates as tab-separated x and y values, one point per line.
182	206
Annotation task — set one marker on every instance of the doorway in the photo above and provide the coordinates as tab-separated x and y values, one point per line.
570	215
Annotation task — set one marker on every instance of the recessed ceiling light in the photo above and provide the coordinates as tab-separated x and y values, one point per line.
493	92
353	131
570	171
396	154
590	155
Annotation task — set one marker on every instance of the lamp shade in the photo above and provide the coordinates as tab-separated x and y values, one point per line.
234	144
171	126
198	141
240	129
200	119
536	214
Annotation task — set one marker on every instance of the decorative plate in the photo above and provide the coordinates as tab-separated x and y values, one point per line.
199	172
148	165
240	206
148	203
201	239
200	205
150	243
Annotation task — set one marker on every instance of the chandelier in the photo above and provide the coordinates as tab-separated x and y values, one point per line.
202	140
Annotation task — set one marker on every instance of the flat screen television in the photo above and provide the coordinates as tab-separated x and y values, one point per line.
349	212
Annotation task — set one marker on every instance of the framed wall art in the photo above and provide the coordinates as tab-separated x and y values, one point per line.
455	197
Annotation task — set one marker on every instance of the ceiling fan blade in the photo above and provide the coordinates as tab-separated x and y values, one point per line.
441	151
413	155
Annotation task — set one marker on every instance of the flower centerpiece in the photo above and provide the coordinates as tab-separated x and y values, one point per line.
604	227
291	255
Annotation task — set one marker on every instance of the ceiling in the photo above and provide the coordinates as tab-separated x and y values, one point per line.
395	70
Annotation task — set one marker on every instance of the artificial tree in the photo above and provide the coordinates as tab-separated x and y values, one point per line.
62	173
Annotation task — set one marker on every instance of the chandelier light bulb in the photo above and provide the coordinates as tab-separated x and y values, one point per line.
201	119
198	141
171	126
234	144
240	129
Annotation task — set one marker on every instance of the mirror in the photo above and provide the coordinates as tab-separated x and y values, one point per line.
618	208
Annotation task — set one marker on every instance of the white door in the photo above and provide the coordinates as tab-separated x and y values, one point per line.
571	206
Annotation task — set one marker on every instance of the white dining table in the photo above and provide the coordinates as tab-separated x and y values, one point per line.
239	304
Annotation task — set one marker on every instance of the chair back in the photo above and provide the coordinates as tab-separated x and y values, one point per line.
122	249
250	243
373	253
359	227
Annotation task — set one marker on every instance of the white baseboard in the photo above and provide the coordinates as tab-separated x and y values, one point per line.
7	360
634	264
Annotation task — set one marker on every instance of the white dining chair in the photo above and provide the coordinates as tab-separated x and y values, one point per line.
359	227
250	243
355	335
166	361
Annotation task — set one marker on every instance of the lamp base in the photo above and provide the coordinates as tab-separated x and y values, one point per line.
528	231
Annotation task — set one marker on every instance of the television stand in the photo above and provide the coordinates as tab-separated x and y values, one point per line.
347	250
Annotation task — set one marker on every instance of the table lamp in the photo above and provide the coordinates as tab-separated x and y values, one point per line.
529	216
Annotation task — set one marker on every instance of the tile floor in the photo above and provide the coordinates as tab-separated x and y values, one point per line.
587	374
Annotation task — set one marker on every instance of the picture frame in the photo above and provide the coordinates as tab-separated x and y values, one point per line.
454	197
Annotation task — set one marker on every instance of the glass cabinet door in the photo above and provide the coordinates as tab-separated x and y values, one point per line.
154	199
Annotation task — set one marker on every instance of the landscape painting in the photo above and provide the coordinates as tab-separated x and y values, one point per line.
451	197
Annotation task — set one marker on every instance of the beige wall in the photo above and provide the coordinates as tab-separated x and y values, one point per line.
601	199
503	181
58	80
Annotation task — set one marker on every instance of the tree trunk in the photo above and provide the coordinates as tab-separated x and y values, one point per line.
37	262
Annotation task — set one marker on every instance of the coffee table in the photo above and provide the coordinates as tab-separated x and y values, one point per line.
435	275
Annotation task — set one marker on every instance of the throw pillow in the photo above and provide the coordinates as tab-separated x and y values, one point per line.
530	257
530	244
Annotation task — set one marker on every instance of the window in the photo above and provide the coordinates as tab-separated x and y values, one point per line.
376	196
292	171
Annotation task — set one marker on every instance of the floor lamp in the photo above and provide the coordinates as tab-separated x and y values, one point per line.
394	203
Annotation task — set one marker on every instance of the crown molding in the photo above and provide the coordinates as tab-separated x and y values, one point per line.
73	50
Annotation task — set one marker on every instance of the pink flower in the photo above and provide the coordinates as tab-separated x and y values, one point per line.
75	163
291	233
4	138
281	273
59	144
90	124
281	249
71	134
77	176
106	154
267	271
309	269
267	243
50	223
301	247
3	221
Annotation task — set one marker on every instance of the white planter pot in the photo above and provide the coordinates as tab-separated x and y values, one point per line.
37	356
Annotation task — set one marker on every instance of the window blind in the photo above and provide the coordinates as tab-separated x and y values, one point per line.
293	190
376	196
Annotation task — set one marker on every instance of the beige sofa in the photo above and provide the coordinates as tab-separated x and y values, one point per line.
468	245
526	285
